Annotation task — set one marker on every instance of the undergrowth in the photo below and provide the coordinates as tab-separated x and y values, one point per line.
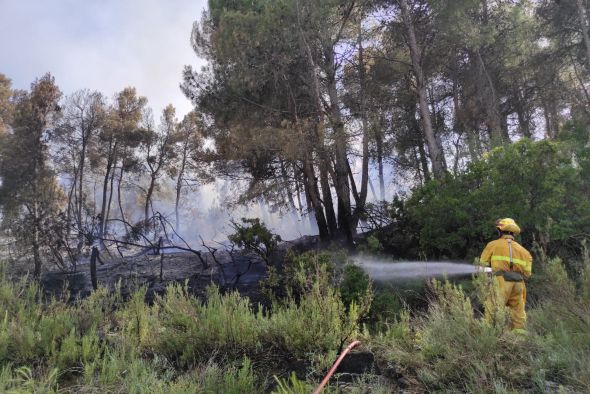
181	344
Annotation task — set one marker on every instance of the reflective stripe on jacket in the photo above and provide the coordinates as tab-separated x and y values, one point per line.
497	255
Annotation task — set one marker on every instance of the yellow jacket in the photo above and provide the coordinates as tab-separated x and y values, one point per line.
497	255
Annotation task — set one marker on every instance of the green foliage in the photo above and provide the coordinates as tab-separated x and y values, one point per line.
373	246
355	284
192	330
385	307
298	273
254	236
534	182
313	321
563	321
293	385
232	380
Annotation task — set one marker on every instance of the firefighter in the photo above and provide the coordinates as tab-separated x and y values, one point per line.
511	266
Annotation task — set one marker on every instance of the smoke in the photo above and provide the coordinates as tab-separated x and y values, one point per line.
204	211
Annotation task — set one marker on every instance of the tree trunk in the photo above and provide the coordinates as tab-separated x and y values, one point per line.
179	181
379	144
436	155
494	120
108	213
105	188
287	187
324	168
551	118
93	276
81	193
314	196
341	167
119	200
584	24
360	206
325	165
148	198
297	188
423	157
309	205
36	242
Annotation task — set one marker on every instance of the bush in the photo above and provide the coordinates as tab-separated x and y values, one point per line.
562	321
317	323
355	284
298	272
255	237
537	183
191	330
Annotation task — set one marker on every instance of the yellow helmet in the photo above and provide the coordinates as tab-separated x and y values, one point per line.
508	225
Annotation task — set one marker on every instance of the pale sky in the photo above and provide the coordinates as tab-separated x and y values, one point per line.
102	45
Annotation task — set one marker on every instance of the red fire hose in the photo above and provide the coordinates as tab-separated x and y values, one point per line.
335	366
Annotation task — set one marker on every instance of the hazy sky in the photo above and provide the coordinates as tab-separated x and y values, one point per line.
102	45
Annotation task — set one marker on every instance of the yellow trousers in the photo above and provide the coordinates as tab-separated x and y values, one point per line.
510	294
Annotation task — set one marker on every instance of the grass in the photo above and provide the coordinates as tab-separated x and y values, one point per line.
181	344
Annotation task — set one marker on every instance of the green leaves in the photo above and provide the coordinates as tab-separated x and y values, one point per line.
534	182
254	236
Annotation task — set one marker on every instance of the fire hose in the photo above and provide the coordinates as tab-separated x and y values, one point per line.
335	366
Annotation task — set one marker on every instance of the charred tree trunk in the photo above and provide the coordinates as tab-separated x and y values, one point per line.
148	198
314	196
93	276
345	223
112	183
324	169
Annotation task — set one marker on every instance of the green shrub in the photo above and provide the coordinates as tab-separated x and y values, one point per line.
192	330
232	380
355	284
254	236
319	323
299	272
562	321
385	307
537	183
294	385
371	246
138	320
449	348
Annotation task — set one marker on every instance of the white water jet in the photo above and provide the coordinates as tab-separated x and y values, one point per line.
389	271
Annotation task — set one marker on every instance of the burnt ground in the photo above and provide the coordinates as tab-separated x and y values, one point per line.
239	270
230	270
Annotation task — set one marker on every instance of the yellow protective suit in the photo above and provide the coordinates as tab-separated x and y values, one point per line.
498	255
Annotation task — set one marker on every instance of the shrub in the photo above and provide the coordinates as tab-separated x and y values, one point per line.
193	330
355	284
254	236
299	272
562	321
231	380
318	323
536	183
